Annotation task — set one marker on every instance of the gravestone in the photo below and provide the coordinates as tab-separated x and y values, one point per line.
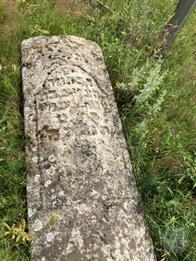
82	198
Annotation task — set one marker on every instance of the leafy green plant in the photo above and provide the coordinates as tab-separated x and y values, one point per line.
17	232
51	221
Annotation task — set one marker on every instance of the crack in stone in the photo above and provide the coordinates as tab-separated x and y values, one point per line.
38	152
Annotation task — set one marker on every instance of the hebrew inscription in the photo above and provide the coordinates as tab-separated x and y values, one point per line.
82	199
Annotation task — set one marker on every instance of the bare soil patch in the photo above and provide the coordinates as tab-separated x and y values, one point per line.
10	21
71	6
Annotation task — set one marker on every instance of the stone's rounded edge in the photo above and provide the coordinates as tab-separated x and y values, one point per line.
78	39
31	39
31	42
84	41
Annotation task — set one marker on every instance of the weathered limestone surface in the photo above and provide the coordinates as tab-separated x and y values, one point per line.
83	203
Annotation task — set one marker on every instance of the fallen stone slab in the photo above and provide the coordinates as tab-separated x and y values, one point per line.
83	202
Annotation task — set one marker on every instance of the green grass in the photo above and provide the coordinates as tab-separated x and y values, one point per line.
156	100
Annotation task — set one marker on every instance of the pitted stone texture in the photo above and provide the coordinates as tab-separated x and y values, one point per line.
77	161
